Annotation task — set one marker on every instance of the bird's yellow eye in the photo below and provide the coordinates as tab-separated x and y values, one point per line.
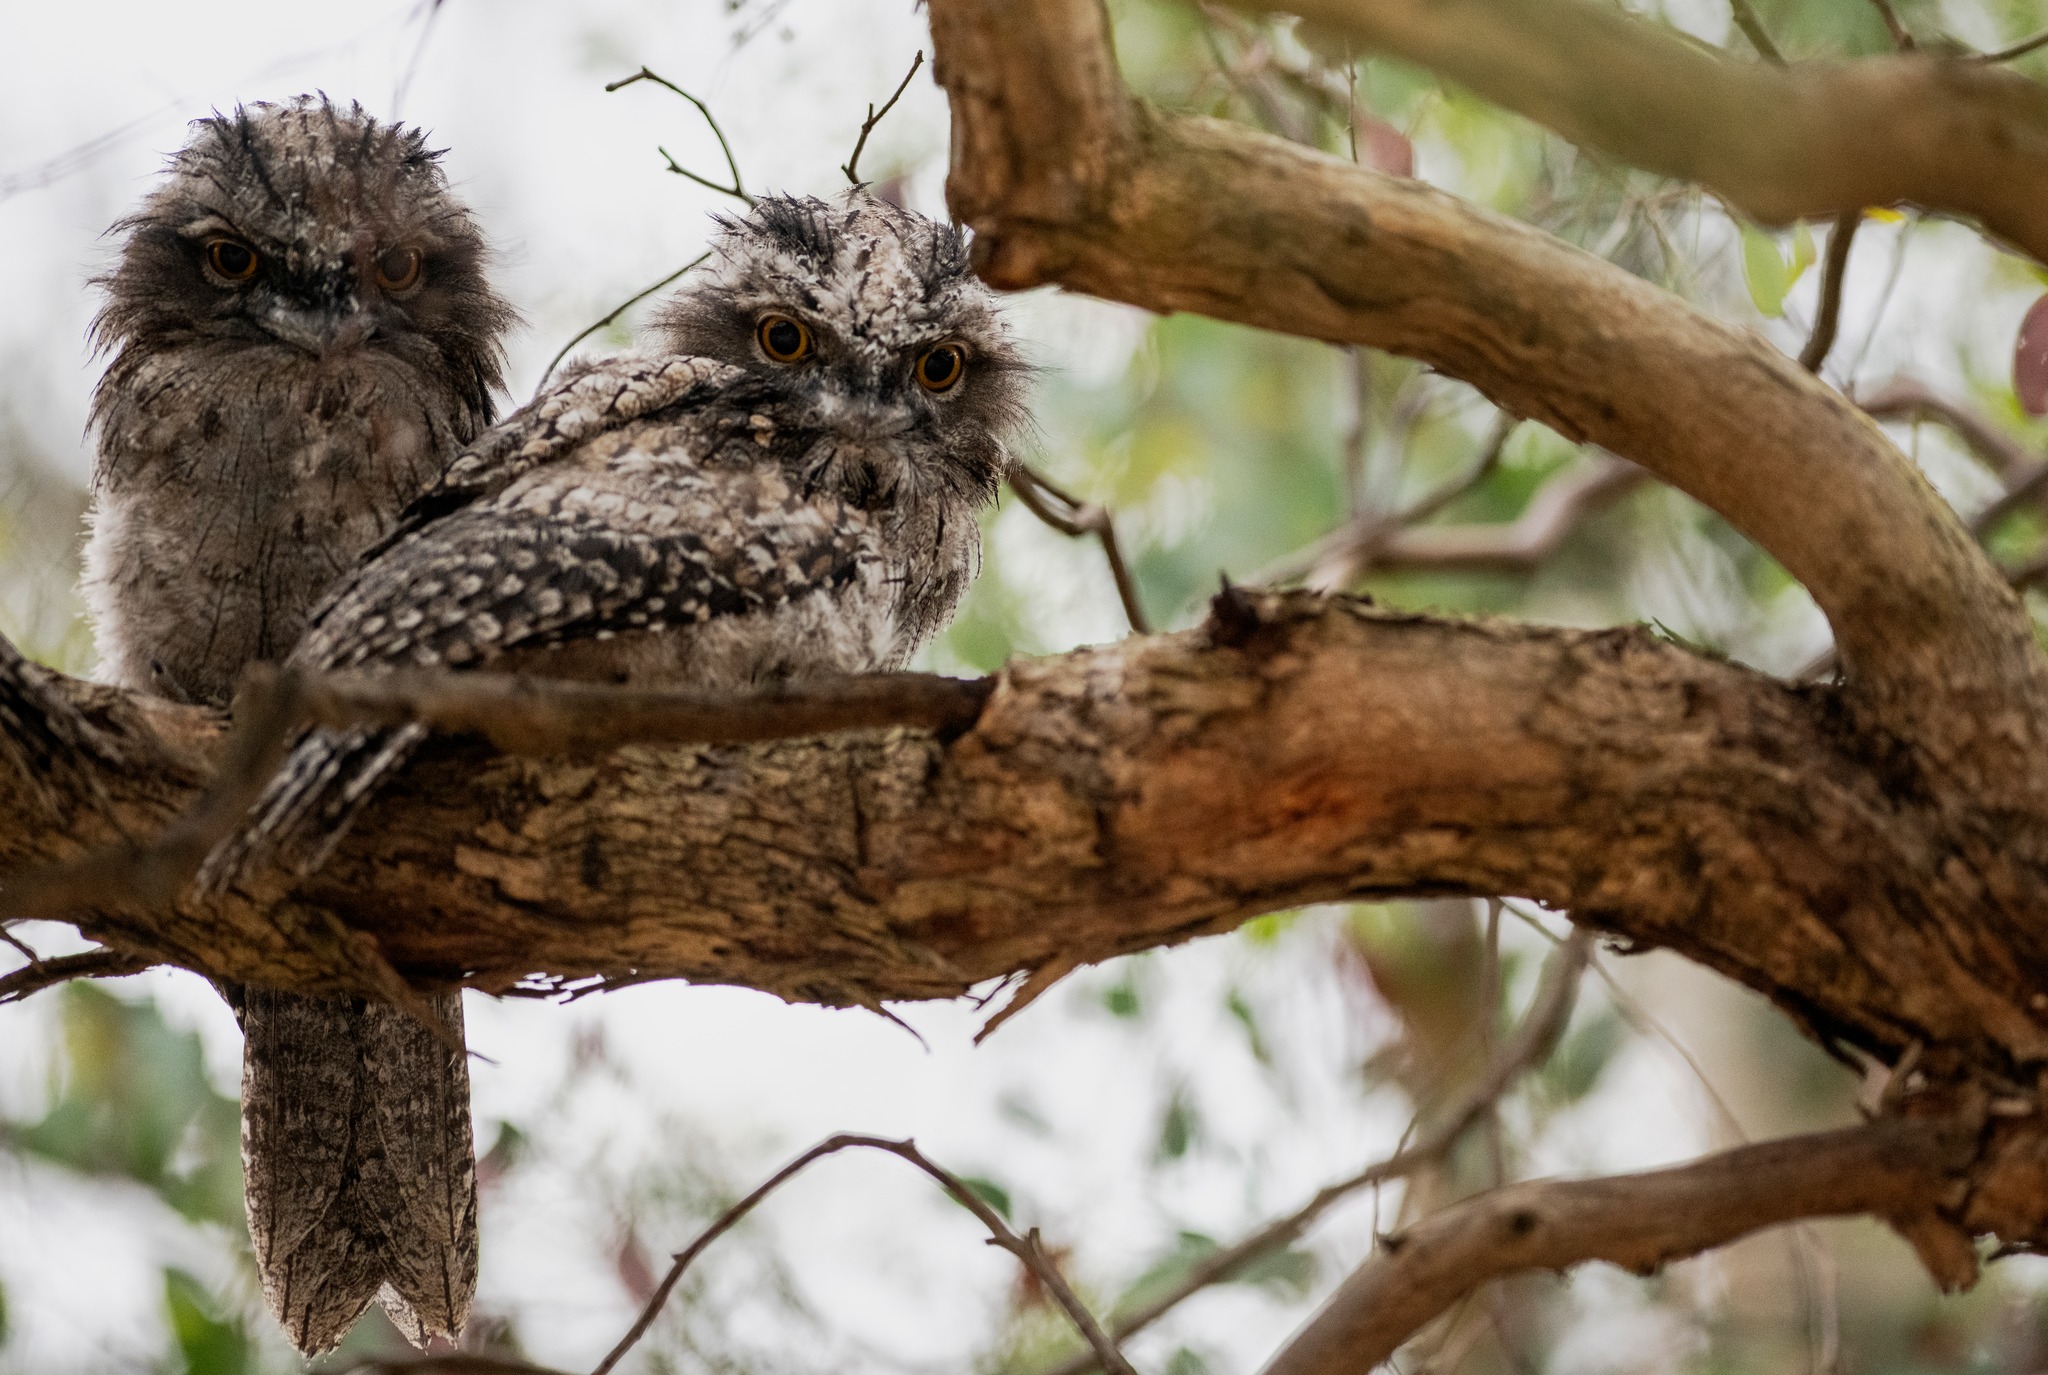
783	339
941	368
399	268
231	259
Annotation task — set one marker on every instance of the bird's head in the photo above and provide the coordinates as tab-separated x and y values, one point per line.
307	228
867	327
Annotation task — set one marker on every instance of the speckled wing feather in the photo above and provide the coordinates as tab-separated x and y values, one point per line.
591	397
630	538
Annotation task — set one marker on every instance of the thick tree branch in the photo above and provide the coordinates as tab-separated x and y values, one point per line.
1899	1169
1127	796
1783	143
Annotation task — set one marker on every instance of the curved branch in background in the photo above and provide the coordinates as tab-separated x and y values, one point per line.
1782	143
1525	542
1517	546
1899	1170
1066	178
1907	398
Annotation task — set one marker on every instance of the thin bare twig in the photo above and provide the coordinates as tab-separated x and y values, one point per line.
1753	29
2025	477
737	190
1902	37
852	164
1074	517
1829	316
1358	435
1907	398
2029	574
28	954
1556	994
519	715
1517	546
635	299
2019	49
40	974
1525	542
1361	542
1025	1248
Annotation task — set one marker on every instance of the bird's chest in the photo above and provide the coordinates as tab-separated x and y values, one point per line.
221	522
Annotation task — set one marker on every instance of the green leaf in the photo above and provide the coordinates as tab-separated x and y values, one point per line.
1268	930
1186	1362
1579	1061
1166	1273
1288	1274
1179	1128
989	1192
1803	251
1120	999
3	1317
136	1102
1249	1020
1765	271
210	1343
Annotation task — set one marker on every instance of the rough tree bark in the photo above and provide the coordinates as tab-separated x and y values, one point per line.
1871	855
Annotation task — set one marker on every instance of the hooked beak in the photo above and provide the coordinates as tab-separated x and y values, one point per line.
320	331
863	419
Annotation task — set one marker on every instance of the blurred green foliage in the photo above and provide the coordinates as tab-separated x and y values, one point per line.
208	1341
135	1102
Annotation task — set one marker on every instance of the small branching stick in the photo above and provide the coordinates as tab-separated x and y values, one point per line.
737	190
1753	29
1074	517
1026	1248
2019	49
852	165
620	309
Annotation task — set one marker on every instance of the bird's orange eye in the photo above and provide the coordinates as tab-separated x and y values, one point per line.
231	259
399	269
942	368
783	339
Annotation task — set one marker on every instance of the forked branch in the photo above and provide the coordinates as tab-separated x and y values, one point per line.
1074	518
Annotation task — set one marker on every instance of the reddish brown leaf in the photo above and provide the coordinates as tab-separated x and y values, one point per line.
1383	146
2030	359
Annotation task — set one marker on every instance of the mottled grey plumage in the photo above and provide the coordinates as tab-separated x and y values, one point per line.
302	336
708	515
